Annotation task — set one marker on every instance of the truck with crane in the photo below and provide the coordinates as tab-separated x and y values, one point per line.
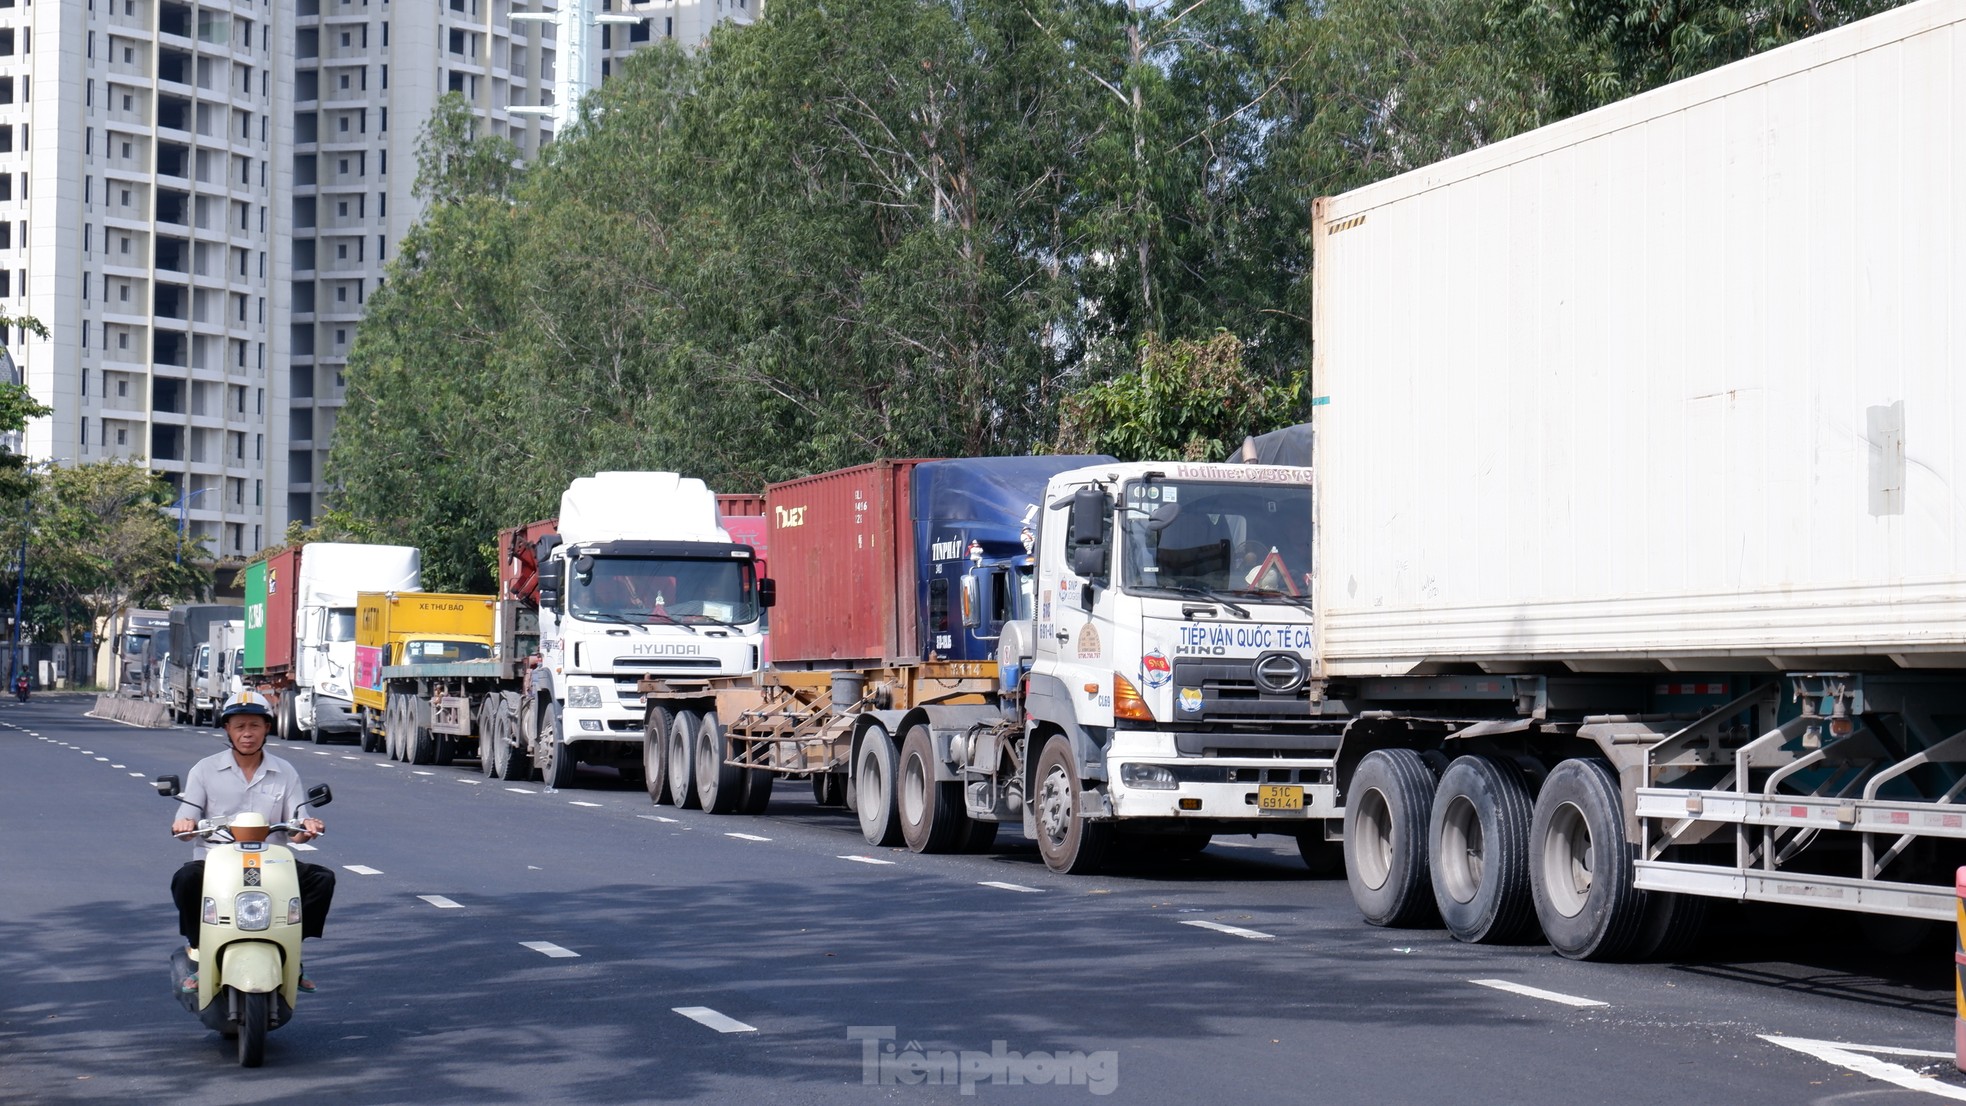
1638	571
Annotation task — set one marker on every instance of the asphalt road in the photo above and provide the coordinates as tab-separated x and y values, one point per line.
500	944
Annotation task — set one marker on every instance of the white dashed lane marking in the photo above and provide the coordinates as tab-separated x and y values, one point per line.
362	869
1858	1058
1536	992
419	772
657	818
105	760
1233	931
747	837
1011	887
301	847
521	791
703	1015
548	948
577	802
866	860
441	903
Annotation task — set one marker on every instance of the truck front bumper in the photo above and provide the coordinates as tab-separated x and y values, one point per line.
1147	778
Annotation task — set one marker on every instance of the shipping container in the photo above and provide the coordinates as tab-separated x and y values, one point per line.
739	504
1673	383
843	556
270	588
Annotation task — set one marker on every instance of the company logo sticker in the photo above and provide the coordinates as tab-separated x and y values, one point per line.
1155	671
1191	700
1089	645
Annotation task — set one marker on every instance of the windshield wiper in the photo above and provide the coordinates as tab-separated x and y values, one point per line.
1213	594
1266	596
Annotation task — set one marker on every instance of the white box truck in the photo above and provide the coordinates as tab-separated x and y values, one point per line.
1638	514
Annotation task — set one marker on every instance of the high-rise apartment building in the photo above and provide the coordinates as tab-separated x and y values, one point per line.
198	197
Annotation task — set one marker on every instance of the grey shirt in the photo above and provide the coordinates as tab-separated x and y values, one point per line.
217	788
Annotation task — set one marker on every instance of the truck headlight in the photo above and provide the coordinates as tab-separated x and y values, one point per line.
252	910
584	696
1153	777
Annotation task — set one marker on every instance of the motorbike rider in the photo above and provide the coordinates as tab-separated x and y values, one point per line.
20	687
246	777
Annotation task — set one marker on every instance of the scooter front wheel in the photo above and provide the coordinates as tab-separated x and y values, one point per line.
255	1016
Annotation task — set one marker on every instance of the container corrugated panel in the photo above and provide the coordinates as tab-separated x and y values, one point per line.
842	553
282	595
739	505
1675	381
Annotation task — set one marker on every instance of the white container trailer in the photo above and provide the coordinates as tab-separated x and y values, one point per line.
1641	475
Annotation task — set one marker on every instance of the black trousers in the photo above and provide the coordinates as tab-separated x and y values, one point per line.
316	895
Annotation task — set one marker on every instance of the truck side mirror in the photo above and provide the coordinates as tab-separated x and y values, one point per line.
767	593
552	576
167	786
320	795
972	602
1086	543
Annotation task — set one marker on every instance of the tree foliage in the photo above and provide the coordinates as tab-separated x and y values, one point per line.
929	227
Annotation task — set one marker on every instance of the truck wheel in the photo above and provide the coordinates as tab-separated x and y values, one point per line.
873	786
1070	844
829	788
932	814
284	717
1325	859
422	742
1581	865
509	762
553	756
1386	838
977	836
719	784
365	718
655	754
682	760
1672	925
392	725
757	791
1478	842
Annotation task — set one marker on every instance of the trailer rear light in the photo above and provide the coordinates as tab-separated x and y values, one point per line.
1127	702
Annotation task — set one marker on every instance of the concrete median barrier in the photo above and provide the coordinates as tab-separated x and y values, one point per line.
132	712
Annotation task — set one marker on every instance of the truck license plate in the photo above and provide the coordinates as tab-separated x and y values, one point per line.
1276	796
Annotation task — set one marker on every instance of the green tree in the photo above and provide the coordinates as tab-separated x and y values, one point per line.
1192	400
17	408
454	162
1644	45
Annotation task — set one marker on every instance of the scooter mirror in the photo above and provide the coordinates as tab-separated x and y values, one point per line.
318	795
167	786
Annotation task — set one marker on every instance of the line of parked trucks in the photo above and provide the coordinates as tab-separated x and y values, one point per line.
1628	574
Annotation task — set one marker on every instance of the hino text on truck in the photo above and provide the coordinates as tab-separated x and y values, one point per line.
1638	508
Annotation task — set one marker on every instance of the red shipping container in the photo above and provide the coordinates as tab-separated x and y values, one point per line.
739	504
282	595
843	555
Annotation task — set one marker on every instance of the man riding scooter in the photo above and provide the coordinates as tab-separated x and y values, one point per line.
20	687
246	778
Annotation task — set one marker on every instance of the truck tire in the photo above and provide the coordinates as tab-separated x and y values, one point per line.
655	753
873	790
284	719
977	836
1672	925
422	742
509	761
719	784
1386	814
1581	864
393	725
1325	859
1478	846
757	791
682	760
829	788
932	814
1071	844
552	756
365	718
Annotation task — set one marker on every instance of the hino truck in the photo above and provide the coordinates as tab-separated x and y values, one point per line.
1070	645
1638	513
300	629
633	581
187	666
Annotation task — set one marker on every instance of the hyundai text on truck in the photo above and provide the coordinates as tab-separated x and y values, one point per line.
300	629
1638	513
1070	645
633	582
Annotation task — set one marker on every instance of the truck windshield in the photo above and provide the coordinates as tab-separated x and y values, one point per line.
665	589
341	624
1240	539
445	652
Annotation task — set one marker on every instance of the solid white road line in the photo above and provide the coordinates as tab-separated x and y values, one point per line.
1011	887
657	818
1855	1059
1536	992
362	869
548	948
866	860
703	1015
577	802
747	837
1233	931
441	903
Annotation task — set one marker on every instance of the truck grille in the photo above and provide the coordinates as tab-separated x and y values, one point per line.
1229	692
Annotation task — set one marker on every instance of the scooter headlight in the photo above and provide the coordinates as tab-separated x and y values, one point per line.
252	910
